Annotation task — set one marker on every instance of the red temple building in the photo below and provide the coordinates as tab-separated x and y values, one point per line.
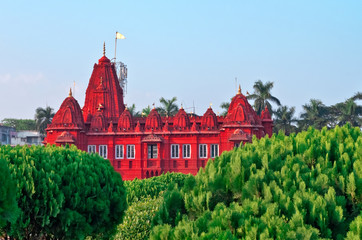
144	147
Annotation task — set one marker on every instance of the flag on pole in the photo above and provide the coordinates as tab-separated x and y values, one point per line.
120	36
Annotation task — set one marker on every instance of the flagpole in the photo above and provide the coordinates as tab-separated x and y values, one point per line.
115	50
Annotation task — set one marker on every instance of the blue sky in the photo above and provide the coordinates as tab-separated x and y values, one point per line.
189	49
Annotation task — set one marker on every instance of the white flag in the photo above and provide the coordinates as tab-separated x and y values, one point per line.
120	36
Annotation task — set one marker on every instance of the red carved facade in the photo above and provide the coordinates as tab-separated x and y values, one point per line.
148	146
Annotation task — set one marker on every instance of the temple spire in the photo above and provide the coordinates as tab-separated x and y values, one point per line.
70	92
104	48
239	90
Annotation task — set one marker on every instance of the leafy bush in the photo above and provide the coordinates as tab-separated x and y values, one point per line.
8	205
137	221
63	193
304	186
152	187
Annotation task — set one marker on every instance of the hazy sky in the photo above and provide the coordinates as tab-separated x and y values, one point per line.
189	49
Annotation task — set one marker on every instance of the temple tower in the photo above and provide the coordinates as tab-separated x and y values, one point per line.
104	96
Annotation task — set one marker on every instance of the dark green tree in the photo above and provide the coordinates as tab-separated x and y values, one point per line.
315	114
262	96
284	119
168	107
43	117
133	111
8	204
63	193
20	124
348	111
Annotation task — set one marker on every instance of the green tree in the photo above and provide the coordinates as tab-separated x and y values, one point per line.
20	124
225	107
262	96
315	114
133	111
284	119
43	117
8	204
348	111
302	186
137	222
63	193
168	107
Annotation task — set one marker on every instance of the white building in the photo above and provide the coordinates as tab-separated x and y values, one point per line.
26	138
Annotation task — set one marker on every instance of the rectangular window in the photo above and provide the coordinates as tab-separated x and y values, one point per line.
119	151
92	148
152	151
175	151
203	151
186	151
130	151
103	151
186	163
214	150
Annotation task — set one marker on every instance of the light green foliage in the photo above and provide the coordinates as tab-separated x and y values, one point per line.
305	186
63	193
355	229
152	187
137	221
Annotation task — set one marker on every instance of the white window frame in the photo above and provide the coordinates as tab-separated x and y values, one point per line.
119	151
92	148
151	155
103	150
202	150
131	151
214	150
186	151
175	151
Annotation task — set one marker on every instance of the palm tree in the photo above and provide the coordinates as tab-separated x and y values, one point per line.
43	117
315	114
284	119
262	96
146	111
348	111
225	107
133	111
169	107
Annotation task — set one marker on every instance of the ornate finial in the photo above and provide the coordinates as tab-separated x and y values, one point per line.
182	106
126	108
239	90
153	104
104	48
70	92
210	105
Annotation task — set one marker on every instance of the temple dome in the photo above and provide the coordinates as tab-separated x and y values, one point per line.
265	114
69	115
240	111
125	122
153	121
209	120
181	120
